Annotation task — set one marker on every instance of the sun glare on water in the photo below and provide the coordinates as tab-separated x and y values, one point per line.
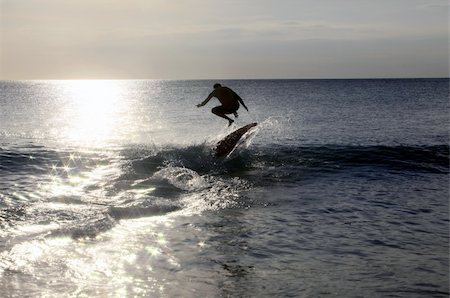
94	112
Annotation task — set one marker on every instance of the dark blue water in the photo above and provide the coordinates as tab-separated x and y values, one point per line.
111	188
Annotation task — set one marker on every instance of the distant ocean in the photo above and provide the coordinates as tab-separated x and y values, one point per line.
110	189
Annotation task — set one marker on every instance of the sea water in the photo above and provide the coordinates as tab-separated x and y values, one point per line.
111	189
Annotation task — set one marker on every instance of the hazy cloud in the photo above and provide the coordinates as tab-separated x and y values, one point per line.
232	39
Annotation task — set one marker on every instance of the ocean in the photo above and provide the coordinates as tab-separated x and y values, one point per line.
111	189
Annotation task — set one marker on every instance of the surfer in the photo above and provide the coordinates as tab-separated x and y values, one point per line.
229	100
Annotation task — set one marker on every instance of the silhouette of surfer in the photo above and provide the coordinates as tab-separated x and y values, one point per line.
229	100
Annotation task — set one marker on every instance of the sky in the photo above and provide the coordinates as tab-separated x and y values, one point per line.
226	39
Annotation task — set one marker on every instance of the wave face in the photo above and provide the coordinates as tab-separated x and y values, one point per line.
403	159
144	181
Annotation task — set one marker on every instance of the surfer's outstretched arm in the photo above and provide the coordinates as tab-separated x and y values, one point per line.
206	100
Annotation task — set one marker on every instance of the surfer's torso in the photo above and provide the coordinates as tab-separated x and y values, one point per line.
227	97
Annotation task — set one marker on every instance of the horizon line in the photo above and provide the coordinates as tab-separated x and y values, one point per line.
228	79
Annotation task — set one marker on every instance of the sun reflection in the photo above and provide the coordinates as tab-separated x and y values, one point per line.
161	239
93	114
153	251
140	193
127	261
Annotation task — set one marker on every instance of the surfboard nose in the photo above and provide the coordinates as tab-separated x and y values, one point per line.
227	144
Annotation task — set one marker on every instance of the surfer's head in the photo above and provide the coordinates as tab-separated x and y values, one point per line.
217	85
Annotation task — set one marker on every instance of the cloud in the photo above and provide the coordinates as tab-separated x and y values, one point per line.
203	38
438	5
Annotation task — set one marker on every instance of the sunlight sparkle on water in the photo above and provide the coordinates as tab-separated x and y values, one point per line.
93	115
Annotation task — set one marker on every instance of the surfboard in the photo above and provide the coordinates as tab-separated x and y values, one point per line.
227	144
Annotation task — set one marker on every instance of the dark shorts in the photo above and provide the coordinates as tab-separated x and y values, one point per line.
223	110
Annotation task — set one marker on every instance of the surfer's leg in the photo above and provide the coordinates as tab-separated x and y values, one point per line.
219	111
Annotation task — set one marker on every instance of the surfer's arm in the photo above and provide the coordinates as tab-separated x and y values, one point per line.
206	100
240	100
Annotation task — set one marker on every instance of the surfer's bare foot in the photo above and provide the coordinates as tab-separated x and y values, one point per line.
235	114
230	122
